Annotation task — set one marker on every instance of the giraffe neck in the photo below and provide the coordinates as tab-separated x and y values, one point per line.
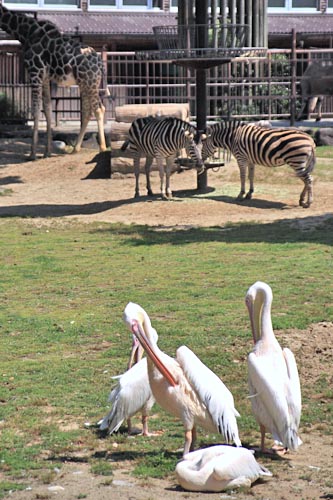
25	28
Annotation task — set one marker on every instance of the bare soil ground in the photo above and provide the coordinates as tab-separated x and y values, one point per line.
57	188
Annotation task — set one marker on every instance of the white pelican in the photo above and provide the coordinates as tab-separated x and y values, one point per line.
185	386
272	373
219	468
132	394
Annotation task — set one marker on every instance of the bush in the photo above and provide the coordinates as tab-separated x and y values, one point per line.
9	112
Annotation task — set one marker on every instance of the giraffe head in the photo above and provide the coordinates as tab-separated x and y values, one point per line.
25	28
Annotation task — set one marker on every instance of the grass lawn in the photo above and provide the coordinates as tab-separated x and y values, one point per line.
63	290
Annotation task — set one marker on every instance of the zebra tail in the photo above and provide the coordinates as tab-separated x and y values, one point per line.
125	145
311	163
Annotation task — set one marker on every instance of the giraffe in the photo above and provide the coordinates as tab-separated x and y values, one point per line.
51	56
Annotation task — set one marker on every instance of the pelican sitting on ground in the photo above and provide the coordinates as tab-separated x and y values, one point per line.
272	373
184	386
219	468
132	394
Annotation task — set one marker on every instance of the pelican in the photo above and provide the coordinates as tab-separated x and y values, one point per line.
272	374
184	386
219	468
132	394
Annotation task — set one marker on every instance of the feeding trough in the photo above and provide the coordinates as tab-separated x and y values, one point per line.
202	46
188	164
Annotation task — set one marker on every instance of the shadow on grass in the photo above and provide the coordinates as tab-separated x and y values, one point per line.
230	200
315	229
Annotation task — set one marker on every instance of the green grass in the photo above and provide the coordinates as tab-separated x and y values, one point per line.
63	289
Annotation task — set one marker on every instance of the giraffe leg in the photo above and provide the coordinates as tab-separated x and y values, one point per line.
48	115
36	99
99	114
91	102
85	117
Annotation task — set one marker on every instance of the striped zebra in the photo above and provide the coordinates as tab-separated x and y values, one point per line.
251	144
161	138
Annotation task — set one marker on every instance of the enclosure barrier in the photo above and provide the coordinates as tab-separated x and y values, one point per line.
243	88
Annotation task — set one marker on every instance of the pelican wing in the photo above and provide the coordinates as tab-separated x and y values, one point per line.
219	468
128	397
294	397
212	393
269	392
237	463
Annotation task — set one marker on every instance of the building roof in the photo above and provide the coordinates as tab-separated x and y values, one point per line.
112	23
302	23
134	24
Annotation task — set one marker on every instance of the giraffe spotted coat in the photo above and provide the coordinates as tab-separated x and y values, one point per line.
51	56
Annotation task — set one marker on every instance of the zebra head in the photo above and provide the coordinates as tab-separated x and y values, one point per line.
208	145
193	148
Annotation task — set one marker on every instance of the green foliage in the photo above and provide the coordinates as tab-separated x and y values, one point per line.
63	290
102	468
8	110
8	487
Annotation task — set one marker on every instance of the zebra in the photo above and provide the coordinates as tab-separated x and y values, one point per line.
161	137
252	144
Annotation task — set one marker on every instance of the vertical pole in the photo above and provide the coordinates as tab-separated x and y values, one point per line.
249	21
201	18
293	79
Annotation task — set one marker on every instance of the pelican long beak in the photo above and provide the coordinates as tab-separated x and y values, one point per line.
141	336
136	352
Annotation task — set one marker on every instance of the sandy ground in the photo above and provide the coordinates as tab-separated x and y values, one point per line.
57	188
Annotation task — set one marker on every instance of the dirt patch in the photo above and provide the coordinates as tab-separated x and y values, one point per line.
58	188
304	475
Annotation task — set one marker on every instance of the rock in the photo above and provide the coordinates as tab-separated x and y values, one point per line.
324	137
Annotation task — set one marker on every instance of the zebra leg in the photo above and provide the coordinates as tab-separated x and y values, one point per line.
148	164
242	172
307	179
159	161
136	163
169	164
251	179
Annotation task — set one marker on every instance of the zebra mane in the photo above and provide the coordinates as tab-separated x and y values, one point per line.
171	119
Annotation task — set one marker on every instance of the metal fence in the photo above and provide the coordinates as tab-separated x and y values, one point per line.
266	88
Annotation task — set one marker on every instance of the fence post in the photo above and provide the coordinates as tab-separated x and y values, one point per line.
293	79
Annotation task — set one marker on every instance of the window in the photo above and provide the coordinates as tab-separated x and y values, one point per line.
276	3
42	3
292	5
304	4
126	4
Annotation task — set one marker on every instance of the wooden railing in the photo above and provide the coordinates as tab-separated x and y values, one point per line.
263	89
